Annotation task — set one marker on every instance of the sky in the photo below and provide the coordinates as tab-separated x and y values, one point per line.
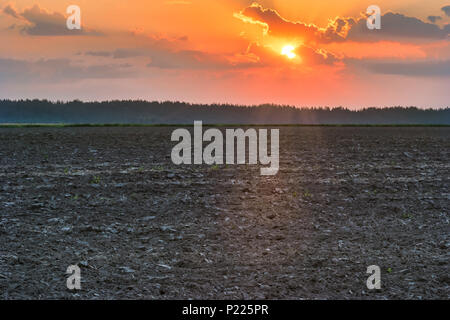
301	53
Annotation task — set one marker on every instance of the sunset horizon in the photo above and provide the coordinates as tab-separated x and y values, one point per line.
237	52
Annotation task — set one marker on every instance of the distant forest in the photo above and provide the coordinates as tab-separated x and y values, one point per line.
145	112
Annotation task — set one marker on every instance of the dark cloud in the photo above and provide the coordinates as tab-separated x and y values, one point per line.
10	10
129	53
393	26
409	68
40	22
51	70
164	56
153	45
316	56
433	19
446	10
278	26
125	53
98	53
187	59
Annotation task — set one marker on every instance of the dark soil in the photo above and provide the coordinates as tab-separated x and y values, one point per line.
111	201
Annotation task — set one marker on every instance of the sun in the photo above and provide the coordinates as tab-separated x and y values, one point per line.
288	51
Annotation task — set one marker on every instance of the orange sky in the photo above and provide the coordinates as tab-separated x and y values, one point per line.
228	51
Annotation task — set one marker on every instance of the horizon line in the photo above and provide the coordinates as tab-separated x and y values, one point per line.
271	104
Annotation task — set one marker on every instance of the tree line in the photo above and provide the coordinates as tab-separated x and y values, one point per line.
175	112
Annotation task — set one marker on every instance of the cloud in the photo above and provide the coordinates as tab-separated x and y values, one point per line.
313	39
98	53
186	59
276	25
118	53
433	19
165	58
171	53
316	56
40	22
446	10
50	70
263	56
194	59
129	53
409	68
10	10
394	26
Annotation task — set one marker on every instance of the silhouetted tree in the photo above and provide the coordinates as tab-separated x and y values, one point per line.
145	112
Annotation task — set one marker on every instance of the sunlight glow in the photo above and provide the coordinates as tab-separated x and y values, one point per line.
288	51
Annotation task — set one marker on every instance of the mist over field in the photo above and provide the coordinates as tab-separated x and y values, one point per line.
145	112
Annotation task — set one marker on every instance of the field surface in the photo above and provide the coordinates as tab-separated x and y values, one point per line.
110	200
